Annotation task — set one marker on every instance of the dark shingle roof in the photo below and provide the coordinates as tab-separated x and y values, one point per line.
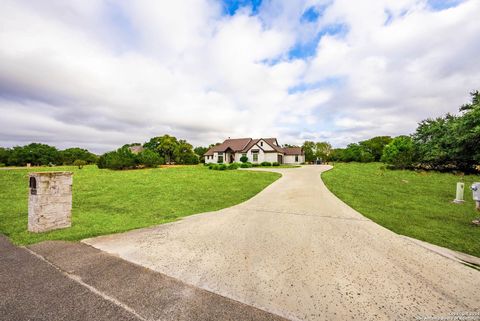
293	150
244	144
236	145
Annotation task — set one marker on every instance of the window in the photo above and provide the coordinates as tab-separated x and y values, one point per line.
261	143
255	156
244	154
220	158
296	158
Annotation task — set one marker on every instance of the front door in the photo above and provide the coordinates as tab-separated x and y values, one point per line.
280	159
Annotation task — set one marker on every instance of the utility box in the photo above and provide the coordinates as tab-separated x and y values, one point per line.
460	192
49	201
476	191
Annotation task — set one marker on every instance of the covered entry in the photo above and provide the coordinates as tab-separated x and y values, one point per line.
280	159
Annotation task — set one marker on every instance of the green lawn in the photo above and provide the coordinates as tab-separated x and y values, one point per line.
415	204
106	201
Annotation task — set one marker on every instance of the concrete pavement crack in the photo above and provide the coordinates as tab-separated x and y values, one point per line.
305	214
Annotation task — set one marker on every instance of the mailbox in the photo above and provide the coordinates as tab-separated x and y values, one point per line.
49	201
476	191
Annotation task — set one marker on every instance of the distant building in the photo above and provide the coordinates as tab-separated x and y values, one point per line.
136	149
256	150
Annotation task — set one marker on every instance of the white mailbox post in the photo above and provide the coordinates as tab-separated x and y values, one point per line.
476	194
460	192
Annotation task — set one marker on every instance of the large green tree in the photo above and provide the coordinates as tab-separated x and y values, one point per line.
4	154
399	153
374	146
35	154
451	141
70	155
172	150
309	149
166	146
184	153
323	151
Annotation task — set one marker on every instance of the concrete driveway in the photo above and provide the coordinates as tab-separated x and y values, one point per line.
298	251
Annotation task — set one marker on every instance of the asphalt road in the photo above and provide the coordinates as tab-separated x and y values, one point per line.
297	251
72	281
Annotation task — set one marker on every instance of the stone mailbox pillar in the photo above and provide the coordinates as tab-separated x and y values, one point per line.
50	201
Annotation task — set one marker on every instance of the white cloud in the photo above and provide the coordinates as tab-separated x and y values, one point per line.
99	74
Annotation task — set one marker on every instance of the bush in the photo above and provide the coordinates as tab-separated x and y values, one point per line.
122	158
266	164
399	153
246	165
255	165
79	163
222	167
244	159
233	166
275	164
149	158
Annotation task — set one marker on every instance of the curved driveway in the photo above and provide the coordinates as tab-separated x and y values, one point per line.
298	251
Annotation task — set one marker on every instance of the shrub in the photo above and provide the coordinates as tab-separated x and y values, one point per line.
79	163
246	165
266	164
233	166
275	164
149	158
255	165
213	166
222	167
244	159
122	158
399	153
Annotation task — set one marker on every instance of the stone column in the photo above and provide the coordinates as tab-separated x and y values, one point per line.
50	201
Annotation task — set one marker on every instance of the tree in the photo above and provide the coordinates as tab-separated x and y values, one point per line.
79	163
323	151
166	146
399	153
184	153
122	158
356	153
4	155
70	155
374	146
149	158
309	148
337	155
200	151
34	153
244	159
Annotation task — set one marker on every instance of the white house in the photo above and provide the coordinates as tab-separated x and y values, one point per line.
257	150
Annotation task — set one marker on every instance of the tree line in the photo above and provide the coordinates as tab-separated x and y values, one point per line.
38	154
450	142
158	150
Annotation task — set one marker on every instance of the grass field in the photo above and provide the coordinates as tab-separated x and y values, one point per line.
414	204
106	201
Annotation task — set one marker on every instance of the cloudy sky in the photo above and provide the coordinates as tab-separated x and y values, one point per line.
101	73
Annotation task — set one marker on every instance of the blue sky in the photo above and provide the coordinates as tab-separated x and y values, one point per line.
99	74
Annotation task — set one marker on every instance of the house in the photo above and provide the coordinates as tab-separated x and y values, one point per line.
136	149
257	150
